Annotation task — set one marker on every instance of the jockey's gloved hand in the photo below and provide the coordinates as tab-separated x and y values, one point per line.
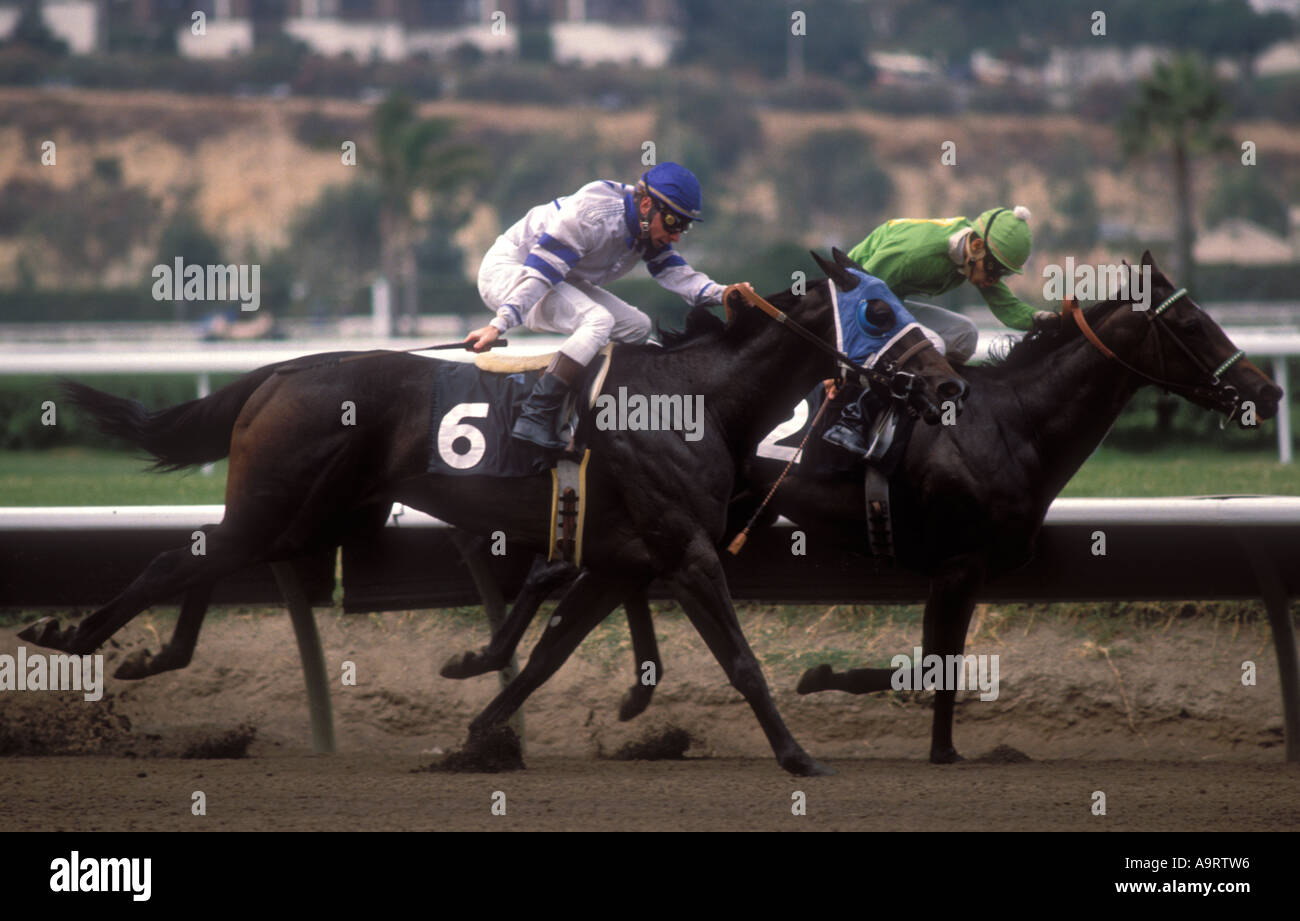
735	289
1046	319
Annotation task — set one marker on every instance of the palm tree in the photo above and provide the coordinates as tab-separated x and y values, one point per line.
1179	109
414	156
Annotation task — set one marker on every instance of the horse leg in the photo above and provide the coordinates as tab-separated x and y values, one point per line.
585	605
947	616
702	590
167	575
179	650
645	652
543	579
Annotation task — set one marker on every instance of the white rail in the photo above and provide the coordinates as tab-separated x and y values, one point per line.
204	359
1226	511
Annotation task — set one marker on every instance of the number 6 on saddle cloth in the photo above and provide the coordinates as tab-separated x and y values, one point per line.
473	411
474	407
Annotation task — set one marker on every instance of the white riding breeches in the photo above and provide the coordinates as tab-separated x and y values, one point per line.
590	315
952	334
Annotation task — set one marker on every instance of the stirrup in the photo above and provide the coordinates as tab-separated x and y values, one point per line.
846	437
540	434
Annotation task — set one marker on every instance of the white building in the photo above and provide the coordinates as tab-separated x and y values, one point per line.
582	32
1066	68
1277	59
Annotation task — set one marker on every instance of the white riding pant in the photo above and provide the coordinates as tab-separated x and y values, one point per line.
952	334
590	315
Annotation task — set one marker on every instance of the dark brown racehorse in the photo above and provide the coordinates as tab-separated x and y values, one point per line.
969	498
301	477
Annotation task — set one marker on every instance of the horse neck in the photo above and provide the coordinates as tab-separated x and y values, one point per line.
749	386
1071	399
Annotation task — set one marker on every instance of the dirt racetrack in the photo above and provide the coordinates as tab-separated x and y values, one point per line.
1147	707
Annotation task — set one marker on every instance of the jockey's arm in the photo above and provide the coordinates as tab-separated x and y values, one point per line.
675	275
1009	309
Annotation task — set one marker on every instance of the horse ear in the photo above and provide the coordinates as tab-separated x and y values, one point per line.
843	280
1156	274
841	259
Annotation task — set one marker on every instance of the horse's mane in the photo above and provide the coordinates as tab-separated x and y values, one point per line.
1039	342
700	322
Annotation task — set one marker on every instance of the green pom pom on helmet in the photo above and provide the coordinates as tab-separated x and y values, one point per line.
1005	232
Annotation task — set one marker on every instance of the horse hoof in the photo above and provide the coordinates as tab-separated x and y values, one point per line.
135	666
815	679
634	702
946	756
465	665
46	633
489	751
807	766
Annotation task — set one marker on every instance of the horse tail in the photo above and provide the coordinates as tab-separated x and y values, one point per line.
196	432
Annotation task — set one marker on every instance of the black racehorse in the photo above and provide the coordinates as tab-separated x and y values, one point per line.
969	498
300	479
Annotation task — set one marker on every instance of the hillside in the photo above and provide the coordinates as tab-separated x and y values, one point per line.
248	164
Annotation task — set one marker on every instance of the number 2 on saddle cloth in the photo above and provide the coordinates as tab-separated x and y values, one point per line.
857	416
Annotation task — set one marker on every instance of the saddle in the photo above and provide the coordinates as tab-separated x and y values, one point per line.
472	412
575	411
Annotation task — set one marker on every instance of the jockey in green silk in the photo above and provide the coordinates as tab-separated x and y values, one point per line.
930	257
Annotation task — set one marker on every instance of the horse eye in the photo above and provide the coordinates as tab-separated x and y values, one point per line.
880	314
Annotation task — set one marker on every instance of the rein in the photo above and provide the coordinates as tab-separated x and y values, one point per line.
900	384
870	374
1072	309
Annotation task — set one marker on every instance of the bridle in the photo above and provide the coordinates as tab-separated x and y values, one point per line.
892	377
1213	390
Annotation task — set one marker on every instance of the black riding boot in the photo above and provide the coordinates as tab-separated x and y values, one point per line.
850	431
540	416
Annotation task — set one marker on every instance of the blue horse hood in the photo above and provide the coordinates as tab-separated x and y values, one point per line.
860	339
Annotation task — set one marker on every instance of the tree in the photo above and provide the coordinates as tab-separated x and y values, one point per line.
79	234
832	183
755	36
1077	205
335	245
707	130
1179	111
537	167
32	31
186	238
412	158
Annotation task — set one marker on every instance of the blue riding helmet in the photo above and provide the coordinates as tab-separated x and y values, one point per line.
675	186
861	338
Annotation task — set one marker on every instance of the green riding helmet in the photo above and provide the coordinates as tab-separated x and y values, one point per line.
1005	232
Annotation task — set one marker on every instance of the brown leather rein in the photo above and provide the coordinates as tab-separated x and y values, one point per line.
886	380
1216	390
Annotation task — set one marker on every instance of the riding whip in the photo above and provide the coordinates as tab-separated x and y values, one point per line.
374	352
